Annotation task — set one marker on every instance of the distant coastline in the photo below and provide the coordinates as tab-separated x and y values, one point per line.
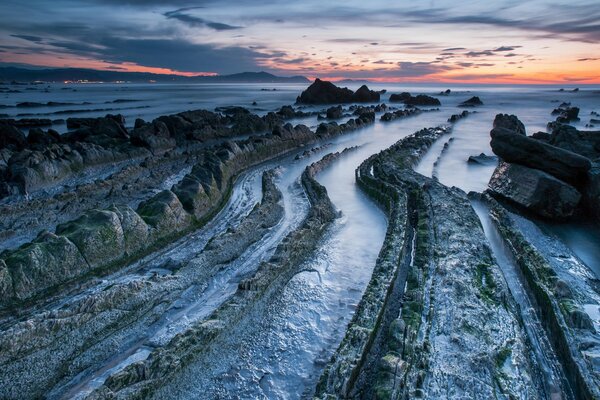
81	75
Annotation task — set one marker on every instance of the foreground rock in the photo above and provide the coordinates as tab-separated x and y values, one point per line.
85	330
145	378
514	147
559	168
436	320
567	293
534	190
324	92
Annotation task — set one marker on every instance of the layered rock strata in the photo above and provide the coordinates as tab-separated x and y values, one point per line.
436	319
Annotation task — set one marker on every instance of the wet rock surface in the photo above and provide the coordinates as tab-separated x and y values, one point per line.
431	337
535	190
566	292
552	175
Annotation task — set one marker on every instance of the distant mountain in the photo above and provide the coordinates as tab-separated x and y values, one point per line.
8	74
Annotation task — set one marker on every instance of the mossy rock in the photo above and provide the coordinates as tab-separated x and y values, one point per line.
43	263
6	286
192	195
135	229
165	213
99	236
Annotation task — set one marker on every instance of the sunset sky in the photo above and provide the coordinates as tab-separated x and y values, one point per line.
448	41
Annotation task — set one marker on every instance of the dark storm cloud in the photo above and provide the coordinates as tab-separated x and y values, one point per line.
506	48
479	53
418	69
582	21
182	15
30	38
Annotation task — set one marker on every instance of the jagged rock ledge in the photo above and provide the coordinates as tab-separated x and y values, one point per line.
102	240
437	312
141	379
52	346
561	295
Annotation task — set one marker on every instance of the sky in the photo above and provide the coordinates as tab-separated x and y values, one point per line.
399	41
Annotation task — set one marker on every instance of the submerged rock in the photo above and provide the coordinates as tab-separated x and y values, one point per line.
535	190
482	159
472	102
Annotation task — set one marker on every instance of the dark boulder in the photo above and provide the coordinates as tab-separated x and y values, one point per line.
41	139
565	165
455	117
335	112
509	123
566	114
399	98
155	136
534	190
323	92
287	112
365	95
419	100
472	102
11	137
585	143
483	159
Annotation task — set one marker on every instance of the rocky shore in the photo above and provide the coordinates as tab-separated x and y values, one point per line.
101	240
436	319
143	379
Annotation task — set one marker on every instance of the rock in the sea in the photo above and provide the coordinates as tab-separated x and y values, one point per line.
472	102
535	190
586	143
563	164
365	95
400	98
455	117
324	92
418	100
483	159
335	112
565	113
